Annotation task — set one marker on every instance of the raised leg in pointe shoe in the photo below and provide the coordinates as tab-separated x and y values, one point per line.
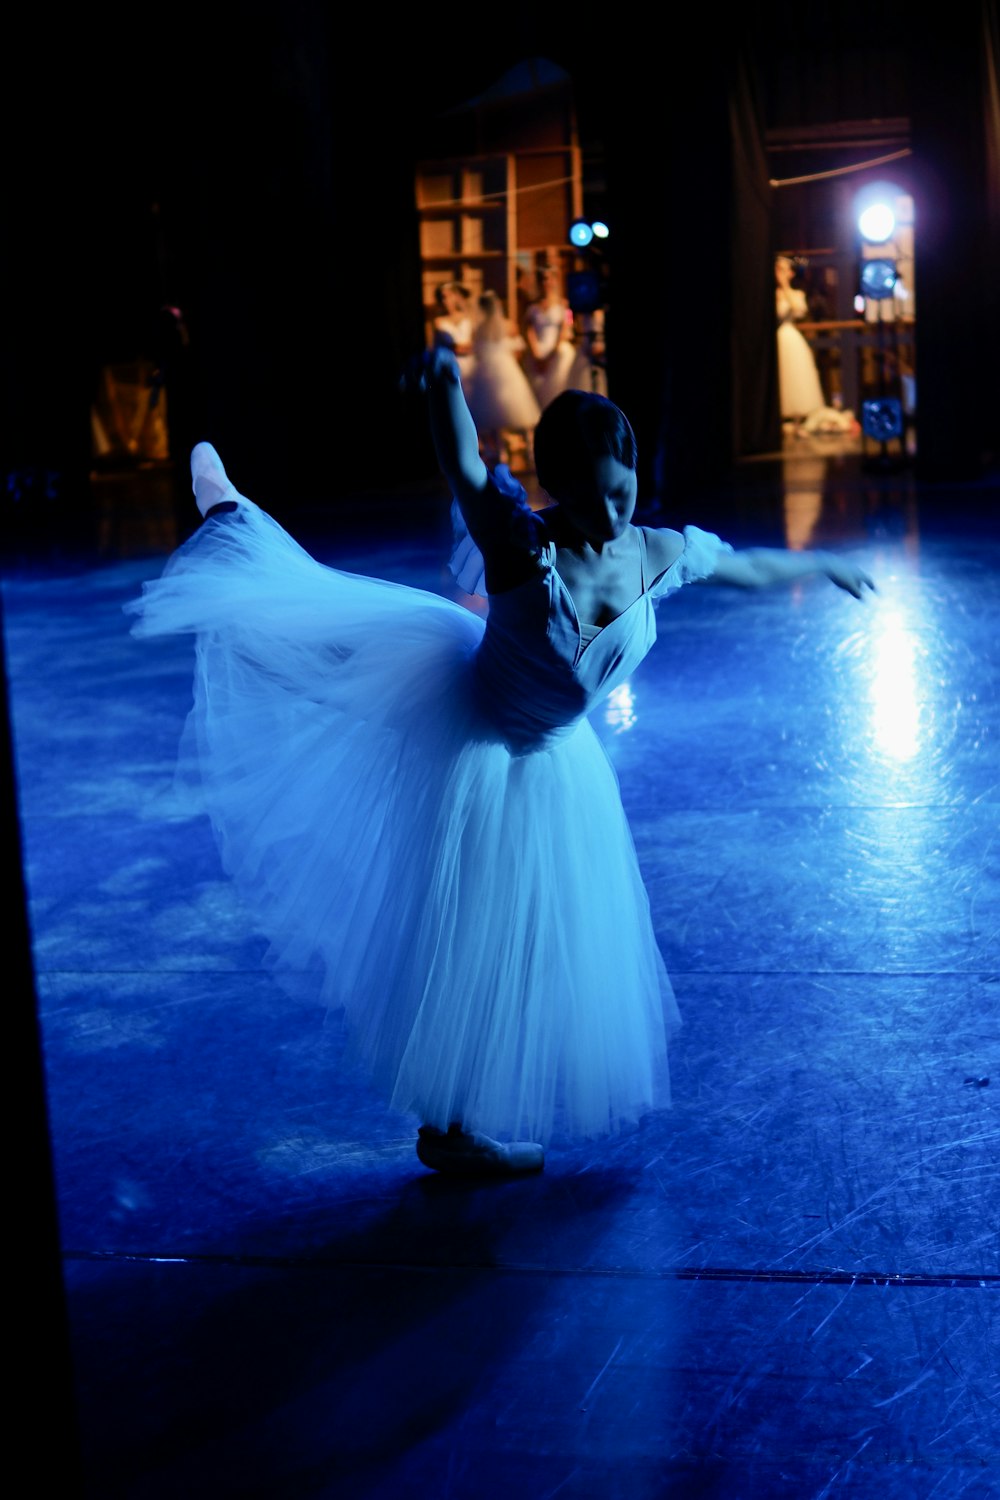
211	484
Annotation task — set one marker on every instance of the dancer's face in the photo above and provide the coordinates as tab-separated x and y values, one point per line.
603	507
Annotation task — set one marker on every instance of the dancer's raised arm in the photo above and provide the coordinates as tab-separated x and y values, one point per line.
456	440
494	508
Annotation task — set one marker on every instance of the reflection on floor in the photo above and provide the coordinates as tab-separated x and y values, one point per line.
783	1287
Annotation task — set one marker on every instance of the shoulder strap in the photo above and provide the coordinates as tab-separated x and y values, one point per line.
642	557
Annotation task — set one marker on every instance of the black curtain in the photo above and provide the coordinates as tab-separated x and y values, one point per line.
692	356
755	408
956	74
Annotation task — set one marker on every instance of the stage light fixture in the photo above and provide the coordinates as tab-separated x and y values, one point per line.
875	213
581	232
878	278
583	291
882	419
877	223
601	230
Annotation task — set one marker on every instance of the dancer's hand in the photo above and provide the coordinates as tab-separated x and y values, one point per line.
429	366
848	576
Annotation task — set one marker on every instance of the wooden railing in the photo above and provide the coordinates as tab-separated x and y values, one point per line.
858	360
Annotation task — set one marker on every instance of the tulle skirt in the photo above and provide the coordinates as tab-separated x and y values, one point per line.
477	914
553	376
798	377
499	393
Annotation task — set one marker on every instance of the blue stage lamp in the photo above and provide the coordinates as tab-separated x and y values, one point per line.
581	232
882	419
878	278
584	291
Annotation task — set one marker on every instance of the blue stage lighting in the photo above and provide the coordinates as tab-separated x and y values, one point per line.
882	419
581	233
583	291
878	278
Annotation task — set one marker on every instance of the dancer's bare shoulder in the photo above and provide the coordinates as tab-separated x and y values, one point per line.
663	548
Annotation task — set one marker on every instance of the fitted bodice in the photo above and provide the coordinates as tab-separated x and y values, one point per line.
539	673
538	670
452	333
548	324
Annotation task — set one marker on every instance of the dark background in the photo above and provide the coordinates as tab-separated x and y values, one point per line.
255	165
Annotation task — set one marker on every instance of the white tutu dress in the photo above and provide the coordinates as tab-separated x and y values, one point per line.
550	373
421	818
499	393
800	391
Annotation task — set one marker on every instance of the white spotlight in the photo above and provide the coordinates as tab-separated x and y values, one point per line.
876	223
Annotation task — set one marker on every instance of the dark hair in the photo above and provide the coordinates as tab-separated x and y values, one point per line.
450	286
575	427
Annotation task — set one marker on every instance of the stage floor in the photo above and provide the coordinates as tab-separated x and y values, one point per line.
785	1286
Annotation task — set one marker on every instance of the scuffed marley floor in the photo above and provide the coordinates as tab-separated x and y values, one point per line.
785	1286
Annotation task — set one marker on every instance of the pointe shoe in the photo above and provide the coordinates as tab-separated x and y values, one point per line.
470	1154
209	480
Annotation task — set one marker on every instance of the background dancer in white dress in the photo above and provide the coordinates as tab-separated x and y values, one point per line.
454	324
801	390
500	397
548	329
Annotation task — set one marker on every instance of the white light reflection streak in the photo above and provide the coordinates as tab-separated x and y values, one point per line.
895	711
619	710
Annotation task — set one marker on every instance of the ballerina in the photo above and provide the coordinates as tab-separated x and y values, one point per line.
453	325
548	329
801	391
411	798
500	398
